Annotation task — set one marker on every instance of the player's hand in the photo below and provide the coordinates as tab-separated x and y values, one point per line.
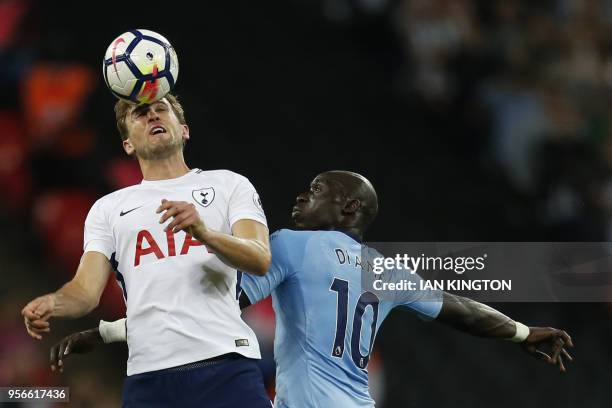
185	217
553	340
36	315
81	342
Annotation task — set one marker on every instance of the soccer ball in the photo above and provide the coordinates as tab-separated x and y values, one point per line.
140	66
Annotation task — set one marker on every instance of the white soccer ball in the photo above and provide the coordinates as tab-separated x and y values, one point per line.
140	66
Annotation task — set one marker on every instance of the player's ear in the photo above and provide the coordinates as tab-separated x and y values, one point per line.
351	206
128	147
185	132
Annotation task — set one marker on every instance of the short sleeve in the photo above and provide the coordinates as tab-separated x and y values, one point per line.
427	303
98	235
260	287
244	203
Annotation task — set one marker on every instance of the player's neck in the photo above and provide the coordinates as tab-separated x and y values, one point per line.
352	232
163	169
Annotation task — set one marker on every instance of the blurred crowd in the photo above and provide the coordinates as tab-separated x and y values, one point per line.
531	82
519	87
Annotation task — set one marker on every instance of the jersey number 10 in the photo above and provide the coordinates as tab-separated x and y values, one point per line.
366	299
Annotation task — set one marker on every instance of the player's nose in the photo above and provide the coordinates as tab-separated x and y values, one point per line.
302	197
151	114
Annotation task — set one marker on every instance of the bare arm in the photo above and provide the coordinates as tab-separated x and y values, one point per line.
75	299
475	318
481	320
82	294
247	249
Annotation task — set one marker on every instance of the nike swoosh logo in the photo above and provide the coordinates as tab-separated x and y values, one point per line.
122	213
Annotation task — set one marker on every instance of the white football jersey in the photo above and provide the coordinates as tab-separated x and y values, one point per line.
181	299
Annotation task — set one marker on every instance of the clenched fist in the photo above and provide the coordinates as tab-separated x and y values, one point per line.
36	315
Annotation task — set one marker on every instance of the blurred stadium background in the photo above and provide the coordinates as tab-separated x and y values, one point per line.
481	120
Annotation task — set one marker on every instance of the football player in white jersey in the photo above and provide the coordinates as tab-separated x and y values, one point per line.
174	242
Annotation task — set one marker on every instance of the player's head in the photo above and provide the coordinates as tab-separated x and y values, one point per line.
139	126
337	200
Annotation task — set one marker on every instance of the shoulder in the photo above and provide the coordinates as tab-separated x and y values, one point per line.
301	241
288	235
310	235
221	175
288	243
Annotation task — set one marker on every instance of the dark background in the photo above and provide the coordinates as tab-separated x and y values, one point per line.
476	120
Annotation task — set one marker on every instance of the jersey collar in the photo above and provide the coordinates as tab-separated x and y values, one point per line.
353	236
168	181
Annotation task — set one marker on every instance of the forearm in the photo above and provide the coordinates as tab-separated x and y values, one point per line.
476	318
73	301
248	255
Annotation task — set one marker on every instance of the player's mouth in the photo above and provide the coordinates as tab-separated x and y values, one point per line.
295	211
157	130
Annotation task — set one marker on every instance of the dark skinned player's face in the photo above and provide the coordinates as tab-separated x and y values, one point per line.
319	208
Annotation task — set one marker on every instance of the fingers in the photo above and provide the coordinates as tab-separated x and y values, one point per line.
563	354
38	324
33	310
171	212
566	338
60	356
35	328
29	314
39	331
542	356
53	356
165	204
59	352
561	366
35	315
183	214
181	222
171	208
32	333
39	309
68	348
559	351
178	218
546	337
567	355
184	227
63	352
556	348
43	310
